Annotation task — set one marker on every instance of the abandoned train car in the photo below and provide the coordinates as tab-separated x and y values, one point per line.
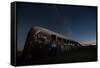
42	42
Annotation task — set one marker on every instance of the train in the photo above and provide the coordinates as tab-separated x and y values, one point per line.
42	42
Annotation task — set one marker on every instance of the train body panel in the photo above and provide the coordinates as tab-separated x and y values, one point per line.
42	42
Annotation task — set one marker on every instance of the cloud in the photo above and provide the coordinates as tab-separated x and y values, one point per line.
93	42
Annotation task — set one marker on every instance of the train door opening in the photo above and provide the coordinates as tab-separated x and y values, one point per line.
53	45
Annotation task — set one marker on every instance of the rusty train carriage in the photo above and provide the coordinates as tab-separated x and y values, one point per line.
43	42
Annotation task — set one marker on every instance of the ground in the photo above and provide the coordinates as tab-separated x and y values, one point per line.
80	55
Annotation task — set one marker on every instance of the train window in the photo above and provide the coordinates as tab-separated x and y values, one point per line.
41	35
59	40
53	37
67	41
53	40
43	38
64	40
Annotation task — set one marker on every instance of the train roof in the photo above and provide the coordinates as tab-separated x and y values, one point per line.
50	32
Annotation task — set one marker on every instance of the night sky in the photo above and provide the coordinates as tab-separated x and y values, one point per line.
75	22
